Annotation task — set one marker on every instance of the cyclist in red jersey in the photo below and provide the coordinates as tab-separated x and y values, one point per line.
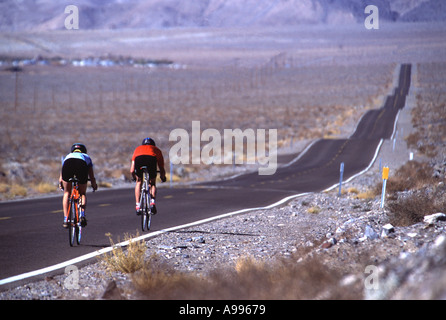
147	154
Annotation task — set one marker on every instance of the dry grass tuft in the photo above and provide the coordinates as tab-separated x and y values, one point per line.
4	187
105	184
157	280
353	190
126	260
44	187
366	195
11	191
314	210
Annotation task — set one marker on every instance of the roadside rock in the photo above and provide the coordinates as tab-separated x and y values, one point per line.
329	243
418	275
112	292
433	218
387	230
370	233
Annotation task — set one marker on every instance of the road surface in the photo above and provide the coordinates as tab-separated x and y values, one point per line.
32	237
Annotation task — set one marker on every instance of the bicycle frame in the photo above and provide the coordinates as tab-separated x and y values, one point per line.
74	228
146	212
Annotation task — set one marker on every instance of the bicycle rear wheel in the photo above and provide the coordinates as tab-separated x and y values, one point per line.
149	219
71	222
78	234
148	212
143	207
78	225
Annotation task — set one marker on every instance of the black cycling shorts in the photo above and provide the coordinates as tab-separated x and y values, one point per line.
148	161
75	167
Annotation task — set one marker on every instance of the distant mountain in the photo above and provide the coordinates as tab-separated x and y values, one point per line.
41	15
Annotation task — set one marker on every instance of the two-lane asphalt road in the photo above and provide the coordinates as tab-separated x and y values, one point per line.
32	237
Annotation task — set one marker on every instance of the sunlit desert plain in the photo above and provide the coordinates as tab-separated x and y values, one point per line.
307	82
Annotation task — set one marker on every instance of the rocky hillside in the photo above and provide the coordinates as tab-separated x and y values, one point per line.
33	15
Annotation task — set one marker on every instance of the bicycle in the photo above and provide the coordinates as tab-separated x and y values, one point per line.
144	201
74	214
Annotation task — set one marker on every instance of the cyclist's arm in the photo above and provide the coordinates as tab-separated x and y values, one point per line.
160	160
132	169
60	182
92	178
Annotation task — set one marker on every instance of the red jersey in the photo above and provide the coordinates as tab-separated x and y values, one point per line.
149	150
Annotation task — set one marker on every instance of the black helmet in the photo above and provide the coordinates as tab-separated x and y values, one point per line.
79	147
148	141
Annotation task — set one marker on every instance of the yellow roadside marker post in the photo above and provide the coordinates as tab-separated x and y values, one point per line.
385	177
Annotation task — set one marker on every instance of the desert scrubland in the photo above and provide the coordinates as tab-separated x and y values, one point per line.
306	82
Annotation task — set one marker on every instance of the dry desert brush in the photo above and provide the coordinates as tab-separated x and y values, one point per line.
124	260
250	279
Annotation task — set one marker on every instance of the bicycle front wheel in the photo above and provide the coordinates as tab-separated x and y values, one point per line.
143	220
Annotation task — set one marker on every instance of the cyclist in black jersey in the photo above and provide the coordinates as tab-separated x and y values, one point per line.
77	163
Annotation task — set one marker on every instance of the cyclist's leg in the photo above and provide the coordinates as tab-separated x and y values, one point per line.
139	162
67	186
83	193
82	188
67	173
152	183
138	189
152	195
152	174
81	171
